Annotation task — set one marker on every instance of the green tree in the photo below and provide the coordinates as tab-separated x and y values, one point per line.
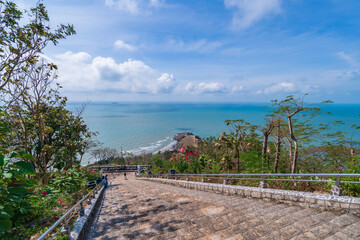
298	117
22	40
242	138
27	88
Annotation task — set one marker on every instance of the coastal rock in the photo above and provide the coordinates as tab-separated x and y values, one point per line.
187	139
178	137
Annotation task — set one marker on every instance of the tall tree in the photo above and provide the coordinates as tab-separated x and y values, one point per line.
297	125
22	44
266	131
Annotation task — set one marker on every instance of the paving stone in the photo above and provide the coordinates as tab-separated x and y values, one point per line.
353	230
322	231
339	236
136	209
344	220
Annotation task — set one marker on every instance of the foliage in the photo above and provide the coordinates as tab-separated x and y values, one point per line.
32	107
105	154
184	161
254	163
58	141
46	202
33	118
14	198
349	188
21	44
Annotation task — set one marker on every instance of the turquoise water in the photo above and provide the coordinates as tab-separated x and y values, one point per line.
150	127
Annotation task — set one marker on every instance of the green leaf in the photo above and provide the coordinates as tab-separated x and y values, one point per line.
2	162
5	225
8	175
28	157
4	215
17	190
6	160
24	211
13	198
26	167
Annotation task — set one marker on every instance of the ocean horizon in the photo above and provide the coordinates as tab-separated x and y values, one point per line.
150	127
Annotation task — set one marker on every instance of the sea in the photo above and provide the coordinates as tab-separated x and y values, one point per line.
150	127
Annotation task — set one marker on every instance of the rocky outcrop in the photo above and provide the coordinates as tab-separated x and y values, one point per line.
186	139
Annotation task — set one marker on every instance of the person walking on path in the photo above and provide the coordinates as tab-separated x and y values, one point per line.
104	182
125	175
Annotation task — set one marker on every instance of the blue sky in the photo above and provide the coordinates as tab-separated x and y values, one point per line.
207	50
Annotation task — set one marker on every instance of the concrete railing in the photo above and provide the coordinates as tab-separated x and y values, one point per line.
265	177
138	168
78	209
340	204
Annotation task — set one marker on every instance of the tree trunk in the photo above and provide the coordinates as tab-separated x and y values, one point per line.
277	156
295	157
289	141
278	149
264	148
294	140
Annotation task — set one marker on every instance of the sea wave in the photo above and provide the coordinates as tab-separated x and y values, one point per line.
169	146
154	147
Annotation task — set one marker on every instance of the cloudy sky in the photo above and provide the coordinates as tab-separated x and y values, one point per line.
207	50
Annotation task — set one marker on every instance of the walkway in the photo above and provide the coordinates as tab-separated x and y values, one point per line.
135	209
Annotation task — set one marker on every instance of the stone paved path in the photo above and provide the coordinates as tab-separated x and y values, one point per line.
135	209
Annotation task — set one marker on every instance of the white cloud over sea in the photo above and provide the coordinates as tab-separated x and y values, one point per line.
199	51
205	87
80	72
280	87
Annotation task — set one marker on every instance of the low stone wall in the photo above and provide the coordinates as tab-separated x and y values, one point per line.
80	225
340	204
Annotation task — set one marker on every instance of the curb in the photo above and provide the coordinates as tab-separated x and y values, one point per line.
81	223
319	201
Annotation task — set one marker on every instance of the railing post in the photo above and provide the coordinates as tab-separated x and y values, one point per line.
66	229
225	181
82	210
262	182
338	181
336	190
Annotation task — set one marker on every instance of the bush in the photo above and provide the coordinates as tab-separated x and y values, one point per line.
14	205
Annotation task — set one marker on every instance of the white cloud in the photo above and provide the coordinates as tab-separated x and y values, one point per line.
203	87
236	89
165	83
202	46
122	45
157	3
134	7
250	11
78	72
130	6
349	59
189	87
74	57
280	87
213	87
